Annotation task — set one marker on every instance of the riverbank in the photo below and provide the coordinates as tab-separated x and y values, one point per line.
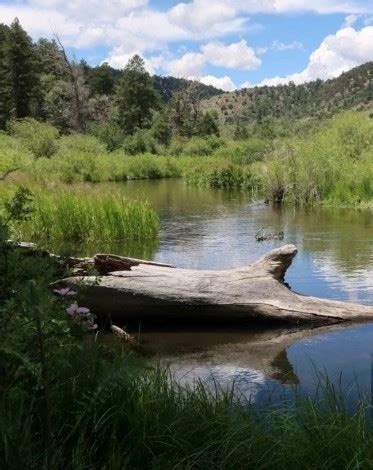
123	413
65	403
330	165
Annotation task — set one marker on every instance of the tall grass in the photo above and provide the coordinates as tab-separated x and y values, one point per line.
218	173
84	214
333	166
119	412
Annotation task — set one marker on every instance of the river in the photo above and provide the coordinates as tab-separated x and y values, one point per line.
215	229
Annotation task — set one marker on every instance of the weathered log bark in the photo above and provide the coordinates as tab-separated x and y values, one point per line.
253	292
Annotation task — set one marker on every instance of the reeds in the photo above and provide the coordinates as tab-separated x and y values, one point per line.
82	214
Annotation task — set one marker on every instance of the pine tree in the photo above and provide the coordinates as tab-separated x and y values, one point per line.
161	129
136	98
5	88
207	125
22	69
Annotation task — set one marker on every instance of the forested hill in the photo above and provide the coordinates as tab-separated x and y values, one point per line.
167	86
351	90
98	77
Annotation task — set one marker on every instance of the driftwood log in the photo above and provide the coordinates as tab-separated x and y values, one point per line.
143	290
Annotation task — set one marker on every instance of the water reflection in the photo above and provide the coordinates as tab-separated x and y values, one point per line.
265	364
212	229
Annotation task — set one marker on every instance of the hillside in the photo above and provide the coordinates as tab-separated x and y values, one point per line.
103	78
167	86
353	89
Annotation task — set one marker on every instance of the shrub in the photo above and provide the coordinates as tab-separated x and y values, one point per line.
244	152
108	133
40	138
83	144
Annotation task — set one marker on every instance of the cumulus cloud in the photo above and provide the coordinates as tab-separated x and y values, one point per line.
237	56
223	83
234	56
190	64
336	54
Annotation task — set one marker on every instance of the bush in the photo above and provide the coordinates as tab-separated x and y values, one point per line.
40	138
109	134
244	152
79	143
138	143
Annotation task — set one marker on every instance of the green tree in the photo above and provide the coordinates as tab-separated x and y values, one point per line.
5	86
135	97
207	125
161	129
21	56
185	112
101	80
240	132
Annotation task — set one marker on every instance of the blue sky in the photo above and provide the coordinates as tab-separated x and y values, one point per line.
226	43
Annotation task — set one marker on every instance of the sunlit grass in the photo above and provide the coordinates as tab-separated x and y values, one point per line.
84	214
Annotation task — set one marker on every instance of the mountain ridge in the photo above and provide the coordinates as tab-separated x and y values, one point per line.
351	90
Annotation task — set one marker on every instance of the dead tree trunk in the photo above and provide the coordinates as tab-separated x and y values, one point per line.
255	292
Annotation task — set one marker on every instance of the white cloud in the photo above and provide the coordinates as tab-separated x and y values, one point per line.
350	20
246	85
190	64
336	54
224	83
234	56
279	46
237	56
283	46
119	59
316	6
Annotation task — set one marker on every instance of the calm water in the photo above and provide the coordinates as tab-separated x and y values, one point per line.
212	229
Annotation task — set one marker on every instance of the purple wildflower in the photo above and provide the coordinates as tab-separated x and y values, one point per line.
81	316
65	292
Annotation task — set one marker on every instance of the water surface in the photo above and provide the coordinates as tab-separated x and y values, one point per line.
215	229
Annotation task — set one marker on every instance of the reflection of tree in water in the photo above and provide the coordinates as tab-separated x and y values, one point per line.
286	373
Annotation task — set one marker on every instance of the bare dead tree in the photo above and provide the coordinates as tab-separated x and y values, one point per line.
74	80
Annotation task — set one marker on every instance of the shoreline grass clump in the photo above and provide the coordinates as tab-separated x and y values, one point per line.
81	215
221	174
112	410
333	166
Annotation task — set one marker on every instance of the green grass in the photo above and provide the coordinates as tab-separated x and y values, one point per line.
334	166
119	412
217	173
331	164
82	214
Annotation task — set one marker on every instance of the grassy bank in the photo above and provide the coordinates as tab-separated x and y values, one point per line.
119	412
329	164
83	214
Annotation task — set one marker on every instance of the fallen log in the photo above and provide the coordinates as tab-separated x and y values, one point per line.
255	292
